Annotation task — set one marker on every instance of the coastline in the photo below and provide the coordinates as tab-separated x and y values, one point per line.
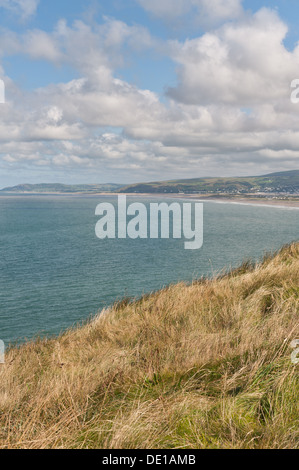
252	201
280	203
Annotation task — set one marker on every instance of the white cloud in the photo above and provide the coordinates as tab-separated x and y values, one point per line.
205	12
244	63
40	45
22	8
230	111
95	51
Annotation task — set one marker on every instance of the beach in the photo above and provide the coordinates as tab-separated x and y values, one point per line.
246	200
224	200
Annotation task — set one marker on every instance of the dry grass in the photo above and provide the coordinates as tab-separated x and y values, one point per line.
205	365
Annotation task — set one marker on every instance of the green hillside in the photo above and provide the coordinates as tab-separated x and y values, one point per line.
283	182
62	188
287	181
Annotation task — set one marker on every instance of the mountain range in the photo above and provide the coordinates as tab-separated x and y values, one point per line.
281	182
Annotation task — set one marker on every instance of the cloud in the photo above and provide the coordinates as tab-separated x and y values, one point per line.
94	50
23	8
226	67
204	12
230	112
40	45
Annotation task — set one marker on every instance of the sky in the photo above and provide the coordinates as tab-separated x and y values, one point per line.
124	91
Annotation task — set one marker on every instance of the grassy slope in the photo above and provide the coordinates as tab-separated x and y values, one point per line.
200	366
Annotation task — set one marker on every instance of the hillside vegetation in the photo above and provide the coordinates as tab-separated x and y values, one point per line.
61	188
283	182
206	365
286	181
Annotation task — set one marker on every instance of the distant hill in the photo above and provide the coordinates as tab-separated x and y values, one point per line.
282	182
62	188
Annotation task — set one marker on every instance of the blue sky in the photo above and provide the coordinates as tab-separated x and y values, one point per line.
126	91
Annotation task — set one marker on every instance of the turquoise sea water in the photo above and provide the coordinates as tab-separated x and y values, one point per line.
54	272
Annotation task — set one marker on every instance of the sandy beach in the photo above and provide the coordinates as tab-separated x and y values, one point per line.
224	200
264	201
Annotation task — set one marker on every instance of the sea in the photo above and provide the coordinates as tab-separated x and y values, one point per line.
56	273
